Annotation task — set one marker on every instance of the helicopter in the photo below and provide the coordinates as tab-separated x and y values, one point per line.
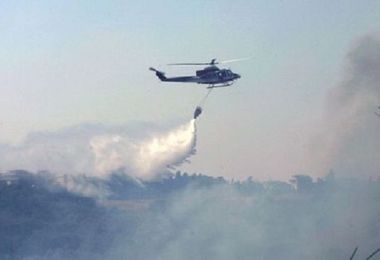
210	75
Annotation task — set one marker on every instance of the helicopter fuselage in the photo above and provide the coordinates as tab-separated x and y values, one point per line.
214	75
210	75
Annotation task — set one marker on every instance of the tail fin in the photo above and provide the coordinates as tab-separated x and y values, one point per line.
159	74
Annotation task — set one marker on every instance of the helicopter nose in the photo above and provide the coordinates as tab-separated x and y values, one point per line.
237	76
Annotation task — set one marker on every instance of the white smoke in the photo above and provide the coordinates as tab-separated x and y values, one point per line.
97	151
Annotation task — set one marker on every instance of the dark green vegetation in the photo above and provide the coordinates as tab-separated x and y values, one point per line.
189	217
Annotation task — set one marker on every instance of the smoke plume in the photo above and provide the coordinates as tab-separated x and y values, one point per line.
350	137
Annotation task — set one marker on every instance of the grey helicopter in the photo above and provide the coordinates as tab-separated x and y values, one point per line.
211	75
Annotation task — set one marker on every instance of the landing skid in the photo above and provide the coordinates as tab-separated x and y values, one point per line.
219	86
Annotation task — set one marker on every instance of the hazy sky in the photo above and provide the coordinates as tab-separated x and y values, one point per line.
68	62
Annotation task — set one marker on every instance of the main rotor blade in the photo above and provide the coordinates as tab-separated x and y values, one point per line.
204	63
213	62
235	60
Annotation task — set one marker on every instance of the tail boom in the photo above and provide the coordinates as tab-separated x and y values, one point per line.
159	74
